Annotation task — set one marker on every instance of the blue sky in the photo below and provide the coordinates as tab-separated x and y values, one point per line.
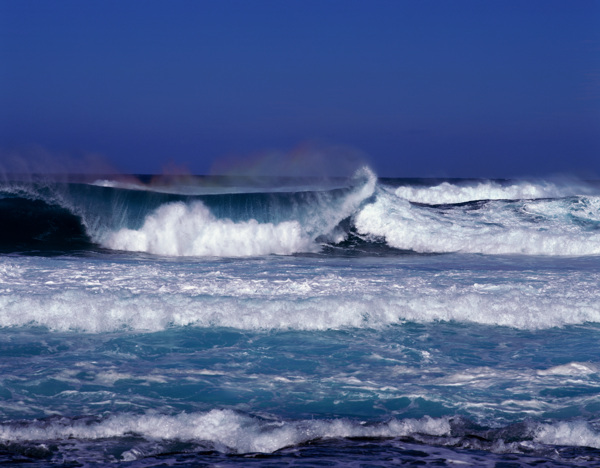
419	88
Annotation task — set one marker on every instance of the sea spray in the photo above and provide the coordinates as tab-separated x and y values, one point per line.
228	430
449	193
146	297
181	229
340	349
564	226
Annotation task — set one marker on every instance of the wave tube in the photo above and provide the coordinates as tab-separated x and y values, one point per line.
191	228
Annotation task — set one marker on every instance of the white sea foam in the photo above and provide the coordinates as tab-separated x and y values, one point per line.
232	432
257	295
325	216
572	368
191	230
538	227
65	311
570	433
180	229
226	430
448	193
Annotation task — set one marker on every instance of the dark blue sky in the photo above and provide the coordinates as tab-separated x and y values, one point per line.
424	88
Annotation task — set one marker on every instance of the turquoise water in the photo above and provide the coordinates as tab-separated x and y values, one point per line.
347	340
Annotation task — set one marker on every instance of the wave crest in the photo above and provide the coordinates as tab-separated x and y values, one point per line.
226	430
81	295
191	230
558	227
448	193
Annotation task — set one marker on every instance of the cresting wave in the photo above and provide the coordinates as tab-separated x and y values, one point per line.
62	312
142	297
488	217
567	226
178	229
448	193
226	430
181	229
232	432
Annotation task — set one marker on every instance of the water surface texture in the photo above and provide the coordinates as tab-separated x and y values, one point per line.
357	322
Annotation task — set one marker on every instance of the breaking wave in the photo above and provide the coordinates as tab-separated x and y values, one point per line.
179	229
448	193
182	229
361	217
143	298
231	432
224	430
567	226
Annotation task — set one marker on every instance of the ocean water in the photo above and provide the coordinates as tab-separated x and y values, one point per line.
276	322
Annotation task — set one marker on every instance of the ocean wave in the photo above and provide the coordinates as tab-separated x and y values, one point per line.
30	224
90	298
181	229
62	312
365	218
178	229
232	432
570	433
224	430
449	193
559	227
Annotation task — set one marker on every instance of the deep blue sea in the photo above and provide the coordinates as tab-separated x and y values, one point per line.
361	322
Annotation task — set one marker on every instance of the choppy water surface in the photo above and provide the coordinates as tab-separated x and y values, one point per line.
366	323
